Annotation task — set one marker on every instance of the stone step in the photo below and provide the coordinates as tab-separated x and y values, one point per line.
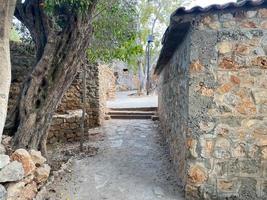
134	109
130	116
131	113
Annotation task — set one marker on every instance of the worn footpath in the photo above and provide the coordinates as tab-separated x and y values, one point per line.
132	164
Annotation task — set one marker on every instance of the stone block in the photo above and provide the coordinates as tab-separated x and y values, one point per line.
192	146
228	64
207	146
220	168
37	157
233	168
263	13
225	47
239	150
196	67
227	187
12	172
22	156
260	61
248	24
250	167
246	107
197	174
222	148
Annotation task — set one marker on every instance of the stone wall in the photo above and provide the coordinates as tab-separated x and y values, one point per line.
22	60
226	136
107	88
173	109
66	124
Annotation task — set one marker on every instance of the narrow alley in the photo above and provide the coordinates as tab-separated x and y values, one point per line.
132	164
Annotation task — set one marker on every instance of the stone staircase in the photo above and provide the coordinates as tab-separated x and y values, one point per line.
133	113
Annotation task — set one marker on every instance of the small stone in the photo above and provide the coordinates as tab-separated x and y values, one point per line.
206	148
235	80
260	61
251	14
225	88
29	191
226	185
206	126
21	155
224	47
192	146
242	49
260	96
226	17
14	190
222	148
239	151
228	64
264	25
4	160
246	107
3	192
42	173
196	66
264	153
208	92
12	172
229	24
263	12
197	174
37	157
248	24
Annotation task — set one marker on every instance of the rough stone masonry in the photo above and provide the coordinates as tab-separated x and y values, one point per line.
66	124
213	103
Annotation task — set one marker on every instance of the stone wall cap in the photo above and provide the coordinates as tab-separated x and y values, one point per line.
214	7
178	30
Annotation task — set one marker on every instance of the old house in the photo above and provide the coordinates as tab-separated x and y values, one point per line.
213	99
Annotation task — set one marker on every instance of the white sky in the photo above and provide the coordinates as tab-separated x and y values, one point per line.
205	3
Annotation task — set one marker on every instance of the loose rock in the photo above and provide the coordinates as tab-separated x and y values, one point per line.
4	160
12	172
22	156
37	157
42	173
3	192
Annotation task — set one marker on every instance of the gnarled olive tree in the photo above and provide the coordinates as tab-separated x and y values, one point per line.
6	13
61	30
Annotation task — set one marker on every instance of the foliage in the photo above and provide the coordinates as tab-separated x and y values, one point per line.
14	35
21	33
73	5
115	32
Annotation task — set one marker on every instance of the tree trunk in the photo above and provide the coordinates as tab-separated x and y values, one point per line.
62	56
6	13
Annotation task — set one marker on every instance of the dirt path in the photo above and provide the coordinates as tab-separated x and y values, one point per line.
132	164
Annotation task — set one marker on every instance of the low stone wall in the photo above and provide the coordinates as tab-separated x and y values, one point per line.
66	127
